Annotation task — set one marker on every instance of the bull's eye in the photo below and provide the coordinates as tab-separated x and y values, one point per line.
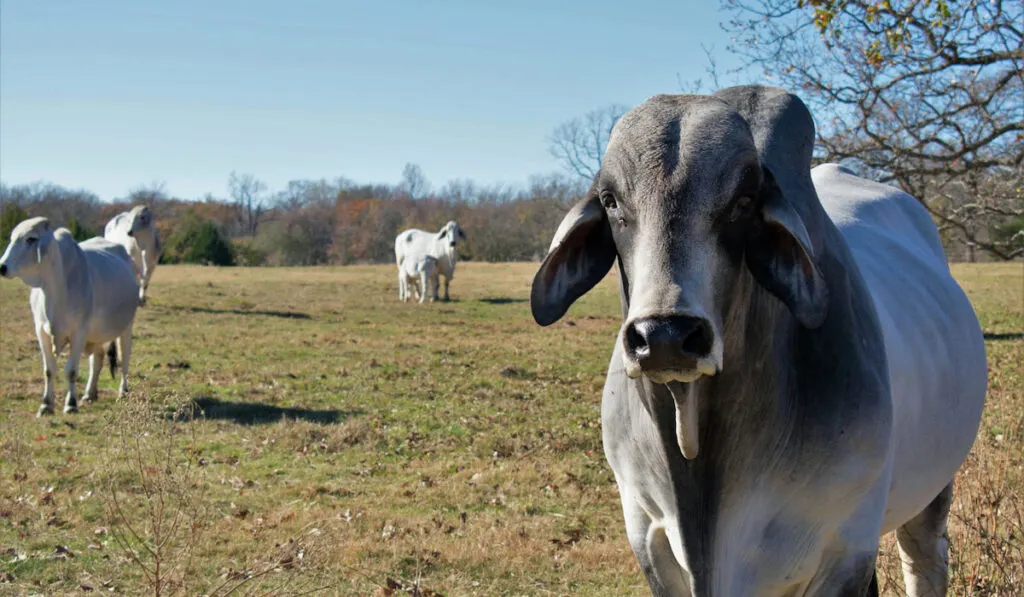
741	208
31	240
608	200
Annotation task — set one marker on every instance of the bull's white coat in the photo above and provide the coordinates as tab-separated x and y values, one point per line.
932	339
136	232
84	296
441	245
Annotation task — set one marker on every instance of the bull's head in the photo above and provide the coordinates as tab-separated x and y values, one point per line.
27	253
686	203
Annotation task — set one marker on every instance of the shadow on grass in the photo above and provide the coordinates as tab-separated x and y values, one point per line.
282	314
254	413
1006	336
502	300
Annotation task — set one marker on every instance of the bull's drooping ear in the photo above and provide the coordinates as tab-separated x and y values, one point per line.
581	253
43	244
781	258
462	233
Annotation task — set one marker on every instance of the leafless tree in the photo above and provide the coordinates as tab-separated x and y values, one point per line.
579	144
247	193
150	194
414	182
926	95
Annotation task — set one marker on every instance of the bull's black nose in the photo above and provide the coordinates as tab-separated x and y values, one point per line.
668	342
453	244
3	270
130	233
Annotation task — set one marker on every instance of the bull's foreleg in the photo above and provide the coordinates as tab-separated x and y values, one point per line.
124	345
95	367
49	371
653	552
423	286
71	371
147	273
446	297
924	548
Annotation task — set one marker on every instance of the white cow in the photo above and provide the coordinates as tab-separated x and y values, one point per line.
83	296
441	245
136	232
414	275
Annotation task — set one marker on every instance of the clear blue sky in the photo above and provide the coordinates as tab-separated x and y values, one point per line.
108	95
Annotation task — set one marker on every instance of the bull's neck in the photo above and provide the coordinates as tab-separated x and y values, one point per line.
54	281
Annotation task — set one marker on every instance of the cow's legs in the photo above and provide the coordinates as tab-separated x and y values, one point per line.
71	371
423	286
924	548
147	273
435	281
49	371
124	345
653	552
95	368
447	281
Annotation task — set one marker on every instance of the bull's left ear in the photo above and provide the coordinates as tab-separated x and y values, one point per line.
780	256
462	234
42	246
581	253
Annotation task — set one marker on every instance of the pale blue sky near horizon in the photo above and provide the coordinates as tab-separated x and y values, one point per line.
110	95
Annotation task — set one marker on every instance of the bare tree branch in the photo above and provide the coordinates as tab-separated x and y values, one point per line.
925	95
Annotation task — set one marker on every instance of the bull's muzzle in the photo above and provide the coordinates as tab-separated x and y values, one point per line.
669	348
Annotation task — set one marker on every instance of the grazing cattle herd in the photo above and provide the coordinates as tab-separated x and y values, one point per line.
796	374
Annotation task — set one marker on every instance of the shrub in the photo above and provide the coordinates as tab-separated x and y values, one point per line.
198	241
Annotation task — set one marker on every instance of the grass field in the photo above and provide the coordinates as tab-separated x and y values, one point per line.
353	445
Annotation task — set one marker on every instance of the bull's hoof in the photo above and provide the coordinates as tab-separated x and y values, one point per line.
70	408
44	410
89	399
142	301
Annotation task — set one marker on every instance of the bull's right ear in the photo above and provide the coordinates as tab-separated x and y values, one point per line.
581	253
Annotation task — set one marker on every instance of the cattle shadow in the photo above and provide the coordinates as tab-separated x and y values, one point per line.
281	314
1004	336
255	413
502	300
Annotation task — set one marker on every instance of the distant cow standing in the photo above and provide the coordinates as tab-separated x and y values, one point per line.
83	296
414	276
135	230
441	245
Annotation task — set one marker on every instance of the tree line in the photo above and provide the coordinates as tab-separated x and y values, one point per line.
314	222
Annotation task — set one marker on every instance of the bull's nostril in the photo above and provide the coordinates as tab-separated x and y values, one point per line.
698	342
636	342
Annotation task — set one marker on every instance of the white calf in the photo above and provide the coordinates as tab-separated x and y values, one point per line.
83	296
136	232
414	274
441	245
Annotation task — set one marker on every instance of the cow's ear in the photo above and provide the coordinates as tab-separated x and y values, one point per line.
462	234
780	256
43	244
581	253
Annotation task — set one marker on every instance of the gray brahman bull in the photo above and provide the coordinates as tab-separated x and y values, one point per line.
83	296
797	372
